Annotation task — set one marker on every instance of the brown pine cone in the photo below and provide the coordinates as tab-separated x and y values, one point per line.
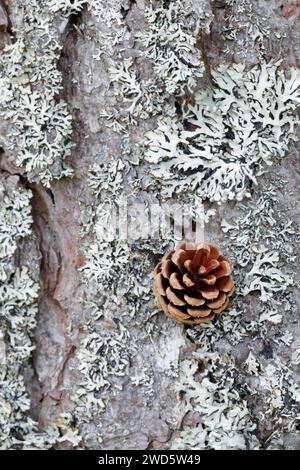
193	283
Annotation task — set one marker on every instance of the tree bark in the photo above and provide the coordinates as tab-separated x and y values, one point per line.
149	415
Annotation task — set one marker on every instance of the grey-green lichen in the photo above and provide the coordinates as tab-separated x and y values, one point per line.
218	145
16	221
107	346
36	141
19	294
39	123
18	309
246	28
103	355
226	422
117	274
168	43
68	7
257	240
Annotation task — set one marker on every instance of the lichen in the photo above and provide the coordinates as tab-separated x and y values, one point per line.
222	141
16	220
246	28
226	422
102	357
105	261
264	276
38	137
18	309
209	144
69	7
106	176
36	142
251	364
19	294
170	43
212	145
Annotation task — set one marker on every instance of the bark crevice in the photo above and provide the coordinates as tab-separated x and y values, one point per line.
54	347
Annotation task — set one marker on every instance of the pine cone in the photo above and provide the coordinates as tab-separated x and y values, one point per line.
193	283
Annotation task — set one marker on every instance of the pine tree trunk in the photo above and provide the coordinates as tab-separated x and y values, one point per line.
141	406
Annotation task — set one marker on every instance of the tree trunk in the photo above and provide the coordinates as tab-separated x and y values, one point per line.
108	370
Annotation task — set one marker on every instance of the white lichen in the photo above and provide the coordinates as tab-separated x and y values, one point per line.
105	261
66	6
110	12
252	364
38	138
214	149
264	276
279	383
246	29
225	420
102	357
170	43
222	141
106	176
16	220
258	240
18	310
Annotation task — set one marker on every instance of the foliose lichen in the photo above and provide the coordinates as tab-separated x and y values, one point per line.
226	422
219	143
170	43
39	122
18	309
36	142
213	144
215	147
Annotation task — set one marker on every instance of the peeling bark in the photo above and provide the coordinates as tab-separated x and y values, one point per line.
58	274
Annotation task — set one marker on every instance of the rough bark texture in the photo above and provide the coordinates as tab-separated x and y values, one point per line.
148	415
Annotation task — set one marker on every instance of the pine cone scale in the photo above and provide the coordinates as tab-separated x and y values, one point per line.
177	314
210	293
193	285
194	301
199	312
175	282
174	298
220	300
188	280
225	284
209	280
167	268
159	284
211	266
201	256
